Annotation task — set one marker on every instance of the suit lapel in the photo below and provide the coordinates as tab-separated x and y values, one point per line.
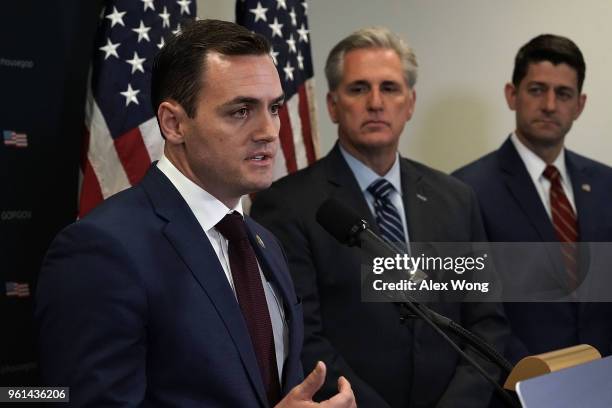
419	214
587	209
345	187
586	203
521	188
190	242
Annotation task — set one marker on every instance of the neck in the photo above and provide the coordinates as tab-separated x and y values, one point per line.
179	161
545	151
380	160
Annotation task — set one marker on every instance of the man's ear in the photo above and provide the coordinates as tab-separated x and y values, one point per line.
331	106
510	92
411	104
581	102
172	121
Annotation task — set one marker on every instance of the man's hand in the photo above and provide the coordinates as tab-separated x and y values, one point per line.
301	395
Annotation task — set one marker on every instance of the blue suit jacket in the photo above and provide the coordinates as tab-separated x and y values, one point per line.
134	308
513	212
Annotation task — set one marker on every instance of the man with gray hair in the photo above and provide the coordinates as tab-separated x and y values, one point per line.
389	362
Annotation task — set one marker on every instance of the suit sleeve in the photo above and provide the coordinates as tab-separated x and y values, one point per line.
468	388
90	309
270	208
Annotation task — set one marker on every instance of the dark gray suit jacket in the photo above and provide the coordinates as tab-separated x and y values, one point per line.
389	363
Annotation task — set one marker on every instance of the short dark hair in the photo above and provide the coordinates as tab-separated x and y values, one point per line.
178	66
549	47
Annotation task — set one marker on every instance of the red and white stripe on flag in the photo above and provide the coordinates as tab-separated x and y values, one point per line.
121	136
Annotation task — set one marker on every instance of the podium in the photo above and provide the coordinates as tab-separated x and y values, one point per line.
586	385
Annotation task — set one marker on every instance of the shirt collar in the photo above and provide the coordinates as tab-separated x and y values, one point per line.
534	164
207	209
366	176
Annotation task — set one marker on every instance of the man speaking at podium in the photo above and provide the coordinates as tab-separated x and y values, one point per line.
166	295
390	363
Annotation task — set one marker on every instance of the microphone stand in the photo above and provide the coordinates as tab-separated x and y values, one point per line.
361	235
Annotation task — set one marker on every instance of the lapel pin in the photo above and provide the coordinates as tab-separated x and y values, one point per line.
586	187
421	197
260	241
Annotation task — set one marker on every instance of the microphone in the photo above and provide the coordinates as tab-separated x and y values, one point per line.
352	230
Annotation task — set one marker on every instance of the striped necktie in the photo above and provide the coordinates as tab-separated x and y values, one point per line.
387	217
565	224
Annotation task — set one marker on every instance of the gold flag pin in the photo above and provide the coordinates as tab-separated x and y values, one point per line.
260	241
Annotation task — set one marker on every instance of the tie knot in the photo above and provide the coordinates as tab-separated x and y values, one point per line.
551	173
232	227
380	188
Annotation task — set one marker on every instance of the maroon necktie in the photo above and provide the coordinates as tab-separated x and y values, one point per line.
252	300
565	224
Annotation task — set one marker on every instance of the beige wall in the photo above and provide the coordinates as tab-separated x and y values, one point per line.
465	50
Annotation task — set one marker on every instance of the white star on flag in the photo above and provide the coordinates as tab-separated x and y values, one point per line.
110	49
273	54
259	12
303	32
300	60
291	44
116	17
293	17
281	4
130	95
166	17
161	43
288	71
148	4
184	6
136	63
143	32
276	28
178	29
305	5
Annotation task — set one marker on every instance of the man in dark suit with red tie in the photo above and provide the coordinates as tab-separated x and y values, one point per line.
166	295
535	190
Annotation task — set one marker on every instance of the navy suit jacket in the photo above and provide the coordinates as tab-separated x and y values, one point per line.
512	211
389	363
134	308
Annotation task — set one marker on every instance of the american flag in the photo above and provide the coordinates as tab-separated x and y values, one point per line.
15	289
285	24
14	139
122	137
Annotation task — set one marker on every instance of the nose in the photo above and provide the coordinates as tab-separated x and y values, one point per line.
550	101
375	101
268	128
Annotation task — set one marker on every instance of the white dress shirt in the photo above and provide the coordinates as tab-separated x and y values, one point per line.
209	212
535	167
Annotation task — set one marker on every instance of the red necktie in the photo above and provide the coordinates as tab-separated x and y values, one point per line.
252	300
565	224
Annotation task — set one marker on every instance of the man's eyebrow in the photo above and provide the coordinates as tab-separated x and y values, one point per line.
249	100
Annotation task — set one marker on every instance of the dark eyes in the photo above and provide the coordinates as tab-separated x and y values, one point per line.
241	113
245	111
361	89
562	94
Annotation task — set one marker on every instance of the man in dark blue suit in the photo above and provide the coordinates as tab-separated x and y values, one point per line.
166	295
534	190
390	361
